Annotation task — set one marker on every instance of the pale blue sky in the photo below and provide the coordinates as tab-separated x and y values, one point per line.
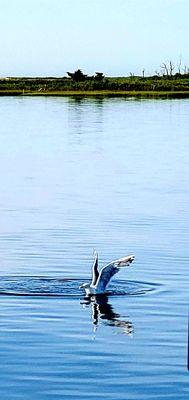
50	37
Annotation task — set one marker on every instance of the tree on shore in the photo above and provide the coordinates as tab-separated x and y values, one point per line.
168	68
99	76
77	76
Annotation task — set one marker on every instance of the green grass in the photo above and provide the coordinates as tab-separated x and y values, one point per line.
111	93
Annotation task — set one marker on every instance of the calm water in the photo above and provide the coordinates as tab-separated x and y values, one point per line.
79	174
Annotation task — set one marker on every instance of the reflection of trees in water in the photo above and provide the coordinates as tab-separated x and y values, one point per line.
103	310
85	113
83	100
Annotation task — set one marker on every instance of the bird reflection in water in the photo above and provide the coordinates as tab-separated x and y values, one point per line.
103	310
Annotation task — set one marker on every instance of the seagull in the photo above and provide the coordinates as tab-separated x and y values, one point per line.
101	279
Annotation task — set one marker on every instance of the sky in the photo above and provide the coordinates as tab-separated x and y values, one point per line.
116	37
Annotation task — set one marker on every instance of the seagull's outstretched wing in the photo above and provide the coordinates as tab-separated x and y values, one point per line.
95	272
110	270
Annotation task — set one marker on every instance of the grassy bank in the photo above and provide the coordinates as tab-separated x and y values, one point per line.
176	86
102	93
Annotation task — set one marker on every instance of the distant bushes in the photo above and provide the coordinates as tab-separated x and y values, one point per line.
79	76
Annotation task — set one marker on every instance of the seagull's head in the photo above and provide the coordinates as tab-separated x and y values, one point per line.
84	286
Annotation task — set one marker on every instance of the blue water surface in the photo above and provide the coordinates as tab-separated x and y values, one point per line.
84	173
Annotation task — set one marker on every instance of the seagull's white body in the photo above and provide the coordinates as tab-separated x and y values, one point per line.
101	279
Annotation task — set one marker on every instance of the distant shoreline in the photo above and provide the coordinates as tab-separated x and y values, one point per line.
176	86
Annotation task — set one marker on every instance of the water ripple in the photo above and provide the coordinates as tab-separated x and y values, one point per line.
60	287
